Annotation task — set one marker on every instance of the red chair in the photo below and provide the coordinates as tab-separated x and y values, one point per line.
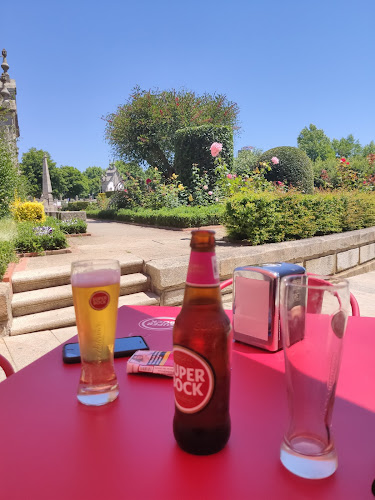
353	300
6	366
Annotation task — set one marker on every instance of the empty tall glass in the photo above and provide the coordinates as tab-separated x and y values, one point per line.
314	312
96	287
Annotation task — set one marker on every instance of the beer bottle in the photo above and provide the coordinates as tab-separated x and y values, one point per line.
201	351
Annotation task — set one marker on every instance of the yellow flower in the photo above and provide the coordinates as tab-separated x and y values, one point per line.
180	187
190	198
174	176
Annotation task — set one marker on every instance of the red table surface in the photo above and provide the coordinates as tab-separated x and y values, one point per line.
52	447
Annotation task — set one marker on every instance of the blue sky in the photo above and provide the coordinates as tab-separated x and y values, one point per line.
286	64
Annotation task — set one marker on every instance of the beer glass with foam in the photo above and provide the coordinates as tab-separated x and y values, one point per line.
96	287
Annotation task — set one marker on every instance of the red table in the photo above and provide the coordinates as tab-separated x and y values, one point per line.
52	447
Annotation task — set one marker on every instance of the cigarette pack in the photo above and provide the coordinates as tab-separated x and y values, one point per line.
152	362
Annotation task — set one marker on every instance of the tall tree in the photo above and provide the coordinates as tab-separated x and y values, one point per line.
31	167
143	129
346	146
315	143
369	149
75	183
94	179
130	169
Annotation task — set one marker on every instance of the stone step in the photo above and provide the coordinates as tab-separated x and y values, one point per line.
58	297
24	281
60	318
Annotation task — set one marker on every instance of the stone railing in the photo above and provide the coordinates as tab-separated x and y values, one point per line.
346	254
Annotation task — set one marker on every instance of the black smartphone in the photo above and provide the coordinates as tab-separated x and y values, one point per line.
125	346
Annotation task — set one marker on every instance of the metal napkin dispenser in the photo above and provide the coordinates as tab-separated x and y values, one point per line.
256	297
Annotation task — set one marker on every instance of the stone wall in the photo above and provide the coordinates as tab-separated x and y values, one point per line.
346	254
67	215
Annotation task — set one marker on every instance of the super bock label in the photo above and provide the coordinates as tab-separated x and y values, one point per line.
193	380
99	300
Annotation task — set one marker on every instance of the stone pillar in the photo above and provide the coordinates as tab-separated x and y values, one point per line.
9	128
5	309
46	197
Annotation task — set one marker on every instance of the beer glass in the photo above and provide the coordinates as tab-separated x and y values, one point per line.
96	287
314	311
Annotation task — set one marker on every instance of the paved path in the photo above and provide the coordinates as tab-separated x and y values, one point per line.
115	240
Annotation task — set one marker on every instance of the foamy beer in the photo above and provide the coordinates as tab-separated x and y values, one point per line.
96	287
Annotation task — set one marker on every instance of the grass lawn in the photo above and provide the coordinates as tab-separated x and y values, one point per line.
8	229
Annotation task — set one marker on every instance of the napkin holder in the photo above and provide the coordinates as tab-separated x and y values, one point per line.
256	298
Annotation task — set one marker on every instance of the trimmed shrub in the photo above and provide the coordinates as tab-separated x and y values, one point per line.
294	168
75	206
28	211
271	217
192	146
177	217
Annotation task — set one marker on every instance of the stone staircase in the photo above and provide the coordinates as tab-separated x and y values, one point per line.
42	299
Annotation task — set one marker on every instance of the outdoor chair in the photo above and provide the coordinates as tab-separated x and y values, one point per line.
6	366
353	300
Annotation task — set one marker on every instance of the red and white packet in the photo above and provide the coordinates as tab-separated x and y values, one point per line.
152	362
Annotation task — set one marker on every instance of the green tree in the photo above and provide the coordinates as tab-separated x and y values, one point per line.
75	183
31	167
130	169
246	161
369	149
143	129
8	178
94	179
315	143
346	147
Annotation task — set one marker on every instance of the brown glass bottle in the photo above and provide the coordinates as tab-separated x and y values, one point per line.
201	347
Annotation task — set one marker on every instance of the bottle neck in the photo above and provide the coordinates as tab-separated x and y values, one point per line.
203	270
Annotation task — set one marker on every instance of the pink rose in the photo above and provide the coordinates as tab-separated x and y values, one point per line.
205	187
230	176
215	148
210	193
275	160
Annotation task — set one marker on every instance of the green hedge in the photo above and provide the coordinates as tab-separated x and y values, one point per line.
178	217
73	226
7	255
272	217
75	206
192	145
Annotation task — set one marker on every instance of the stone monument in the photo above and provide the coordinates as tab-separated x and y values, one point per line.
46	197
9	128
111	180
